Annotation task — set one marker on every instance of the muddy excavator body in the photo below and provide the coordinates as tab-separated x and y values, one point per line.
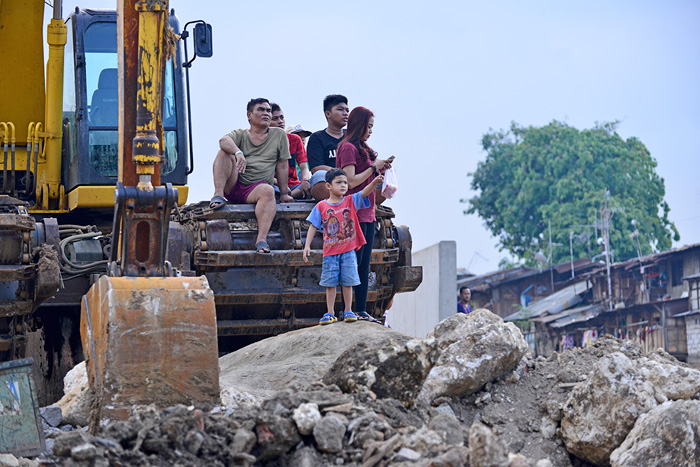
140	264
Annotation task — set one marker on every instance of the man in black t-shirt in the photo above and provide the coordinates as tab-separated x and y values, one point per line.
321	149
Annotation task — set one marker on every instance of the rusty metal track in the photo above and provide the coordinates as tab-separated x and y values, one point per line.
219	259
16	222
15	308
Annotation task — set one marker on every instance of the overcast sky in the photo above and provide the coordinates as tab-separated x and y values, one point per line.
439	74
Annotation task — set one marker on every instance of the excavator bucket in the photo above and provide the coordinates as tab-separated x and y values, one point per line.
149	340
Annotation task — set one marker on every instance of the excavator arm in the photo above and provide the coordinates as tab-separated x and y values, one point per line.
148	337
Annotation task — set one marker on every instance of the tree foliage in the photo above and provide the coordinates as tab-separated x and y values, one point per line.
560	174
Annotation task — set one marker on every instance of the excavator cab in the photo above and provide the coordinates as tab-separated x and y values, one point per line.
90	156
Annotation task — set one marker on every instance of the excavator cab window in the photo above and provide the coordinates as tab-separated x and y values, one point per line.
103	102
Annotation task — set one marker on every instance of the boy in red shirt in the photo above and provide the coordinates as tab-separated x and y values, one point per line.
337	218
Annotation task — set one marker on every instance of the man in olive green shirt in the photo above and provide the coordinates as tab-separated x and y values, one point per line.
247	163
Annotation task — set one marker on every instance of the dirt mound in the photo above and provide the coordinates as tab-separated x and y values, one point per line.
296	359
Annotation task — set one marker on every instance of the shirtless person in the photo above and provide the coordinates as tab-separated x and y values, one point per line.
322	146
247	163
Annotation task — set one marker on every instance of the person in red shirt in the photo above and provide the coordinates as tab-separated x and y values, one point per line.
299	188
337	218
361	164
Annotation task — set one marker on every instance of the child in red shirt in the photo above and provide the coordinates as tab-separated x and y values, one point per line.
337	218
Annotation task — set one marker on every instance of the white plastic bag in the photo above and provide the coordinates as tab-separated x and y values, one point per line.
391	183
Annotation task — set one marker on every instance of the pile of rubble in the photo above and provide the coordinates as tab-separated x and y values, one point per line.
469	394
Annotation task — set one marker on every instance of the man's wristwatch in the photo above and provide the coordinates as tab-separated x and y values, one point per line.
239	152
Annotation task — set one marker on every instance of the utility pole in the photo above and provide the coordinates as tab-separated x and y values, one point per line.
606	238
551	258
571	250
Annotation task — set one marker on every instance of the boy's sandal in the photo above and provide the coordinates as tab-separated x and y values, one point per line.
349	317
262	247
327	319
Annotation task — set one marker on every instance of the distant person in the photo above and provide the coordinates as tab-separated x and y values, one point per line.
300	131
323	144
246	165
298	188
362	165
339	243
463	305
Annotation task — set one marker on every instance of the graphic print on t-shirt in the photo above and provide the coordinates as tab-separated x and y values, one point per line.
332	226
348	224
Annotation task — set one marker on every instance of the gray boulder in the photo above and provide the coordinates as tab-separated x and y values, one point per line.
449	427
329	433
600	412
668	435
474	349
485	450
276	436
391	371
52	415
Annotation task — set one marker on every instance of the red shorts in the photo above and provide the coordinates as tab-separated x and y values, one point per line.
240	192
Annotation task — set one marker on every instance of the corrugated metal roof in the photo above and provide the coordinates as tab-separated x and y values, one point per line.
554	303
687	313
578	317
570	311
655	257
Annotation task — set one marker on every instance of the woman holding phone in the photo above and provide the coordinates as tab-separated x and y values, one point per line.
360	163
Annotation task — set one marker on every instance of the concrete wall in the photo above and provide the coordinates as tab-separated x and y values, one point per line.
692	327
416	313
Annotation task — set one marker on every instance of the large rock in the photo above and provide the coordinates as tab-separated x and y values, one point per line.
390	371
668	435
297	359
599	413
75	404
485	450
474	349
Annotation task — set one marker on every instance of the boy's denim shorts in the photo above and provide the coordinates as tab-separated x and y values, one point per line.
340	269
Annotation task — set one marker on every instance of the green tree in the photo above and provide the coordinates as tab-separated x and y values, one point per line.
558	174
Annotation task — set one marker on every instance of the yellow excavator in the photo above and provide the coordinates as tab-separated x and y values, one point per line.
100	258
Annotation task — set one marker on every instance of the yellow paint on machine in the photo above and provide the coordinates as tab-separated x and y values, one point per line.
103	196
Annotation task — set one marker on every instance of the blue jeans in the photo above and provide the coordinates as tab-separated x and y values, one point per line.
317	177
339	270
364	254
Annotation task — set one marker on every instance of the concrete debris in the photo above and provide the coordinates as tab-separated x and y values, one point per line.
8	460
668	434
474	349
448	427
52	415
75	404
390	371
329	433
485	450
600	412
407	454
75	378
306	416
318	396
